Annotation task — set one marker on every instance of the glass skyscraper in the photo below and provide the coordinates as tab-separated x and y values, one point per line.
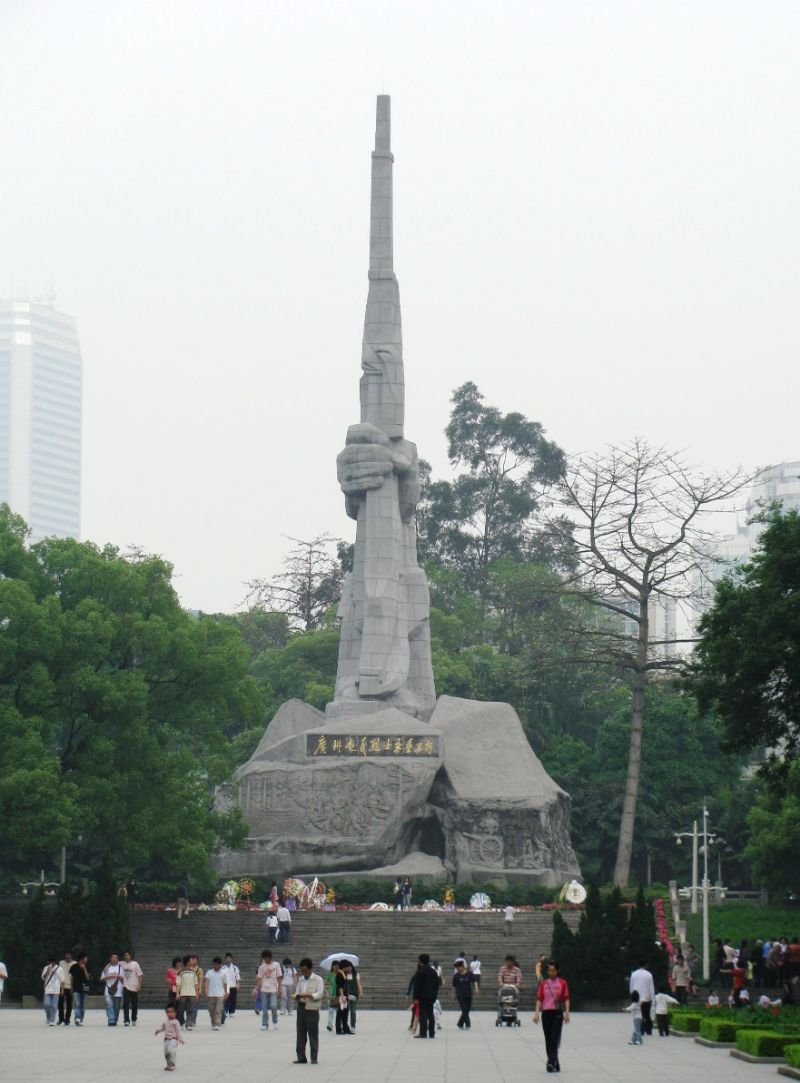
40	418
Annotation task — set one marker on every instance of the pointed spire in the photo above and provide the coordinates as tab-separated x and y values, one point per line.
382	385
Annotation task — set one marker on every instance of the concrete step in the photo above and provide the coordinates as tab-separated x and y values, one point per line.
387	943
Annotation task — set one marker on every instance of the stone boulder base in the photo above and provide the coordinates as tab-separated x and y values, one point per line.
481	809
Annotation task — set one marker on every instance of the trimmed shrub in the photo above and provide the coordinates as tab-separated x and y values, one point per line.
724	1030
763	1043
689	1021
792	1054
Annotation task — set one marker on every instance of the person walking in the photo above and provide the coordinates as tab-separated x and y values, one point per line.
330	993
552	1007
187	993
112	977
171	1029
194	964
288	981
233	979
272	927
52	978
171	978
354	991
81	980
131	984
508	920
641	982
661	1003
635	1008
3	977
510	974
425	988
407	893
284	924
216	992
182	892
464	982
308	997
682	978
342	1023
267	979
475	966
65	996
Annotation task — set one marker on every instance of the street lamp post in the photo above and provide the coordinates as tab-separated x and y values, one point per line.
706	959
694	836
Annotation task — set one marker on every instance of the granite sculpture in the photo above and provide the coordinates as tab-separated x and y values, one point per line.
388	780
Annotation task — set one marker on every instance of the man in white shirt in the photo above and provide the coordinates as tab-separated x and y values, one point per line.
284	924
52	977
3	976
641	982
308	996
131	984
508	924
113	978
272	927
232	978
216	991
475	965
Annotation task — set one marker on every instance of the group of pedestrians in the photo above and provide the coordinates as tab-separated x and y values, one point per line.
343	989
66	985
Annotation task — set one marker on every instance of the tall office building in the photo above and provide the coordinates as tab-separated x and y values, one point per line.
40	418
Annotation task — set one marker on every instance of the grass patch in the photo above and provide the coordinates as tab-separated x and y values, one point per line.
737	921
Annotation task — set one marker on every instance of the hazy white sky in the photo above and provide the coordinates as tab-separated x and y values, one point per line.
596	220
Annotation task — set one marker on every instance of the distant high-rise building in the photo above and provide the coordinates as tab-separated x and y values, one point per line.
40	418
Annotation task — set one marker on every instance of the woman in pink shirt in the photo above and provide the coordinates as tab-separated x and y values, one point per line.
552	1006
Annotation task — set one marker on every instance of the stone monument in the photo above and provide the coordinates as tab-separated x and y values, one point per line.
389	780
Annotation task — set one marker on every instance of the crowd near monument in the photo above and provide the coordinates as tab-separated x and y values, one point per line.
389	779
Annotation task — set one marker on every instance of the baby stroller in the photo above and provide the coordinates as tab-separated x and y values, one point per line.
508	1006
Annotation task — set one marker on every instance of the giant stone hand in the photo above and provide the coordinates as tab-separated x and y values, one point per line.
366	461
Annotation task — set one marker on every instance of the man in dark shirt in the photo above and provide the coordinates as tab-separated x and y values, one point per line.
463	982
425	989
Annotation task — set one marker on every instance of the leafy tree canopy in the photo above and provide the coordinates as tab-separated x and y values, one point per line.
748	659
116	709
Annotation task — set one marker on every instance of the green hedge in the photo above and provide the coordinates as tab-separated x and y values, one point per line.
763	1043
792	1054
686	1021
724	1030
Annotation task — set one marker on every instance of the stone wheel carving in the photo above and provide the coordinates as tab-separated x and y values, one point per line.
492	851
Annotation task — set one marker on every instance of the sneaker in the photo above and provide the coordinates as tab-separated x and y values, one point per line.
215	1028
127	1024
51	1024
263	1027
329	1028
133	1024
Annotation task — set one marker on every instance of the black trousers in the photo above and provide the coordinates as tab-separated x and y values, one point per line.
285	931
647	1019
663	1025
307	1028
343	1019
465	1004
130	1005
230	1003
427	1024
64	1005
552	1022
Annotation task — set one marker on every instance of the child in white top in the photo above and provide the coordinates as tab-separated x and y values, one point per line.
713	999
635	1009
662	1003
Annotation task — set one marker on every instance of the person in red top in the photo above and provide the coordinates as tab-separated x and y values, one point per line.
552	1006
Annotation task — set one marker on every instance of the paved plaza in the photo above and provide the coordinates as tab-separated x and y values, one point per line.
594	1050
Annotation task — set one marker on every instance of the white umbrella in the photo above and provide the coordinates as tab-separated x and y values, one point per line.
329	960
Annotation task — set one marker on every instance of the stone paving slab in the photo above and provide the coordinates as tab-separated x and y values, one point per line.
594	1050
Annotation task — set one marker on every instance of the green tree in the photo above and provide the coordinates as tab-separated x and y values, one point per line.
488	511
747	663
773	848
112	697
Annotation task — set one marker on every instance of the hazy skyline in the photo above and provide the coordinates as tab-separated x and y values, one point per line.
596	221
